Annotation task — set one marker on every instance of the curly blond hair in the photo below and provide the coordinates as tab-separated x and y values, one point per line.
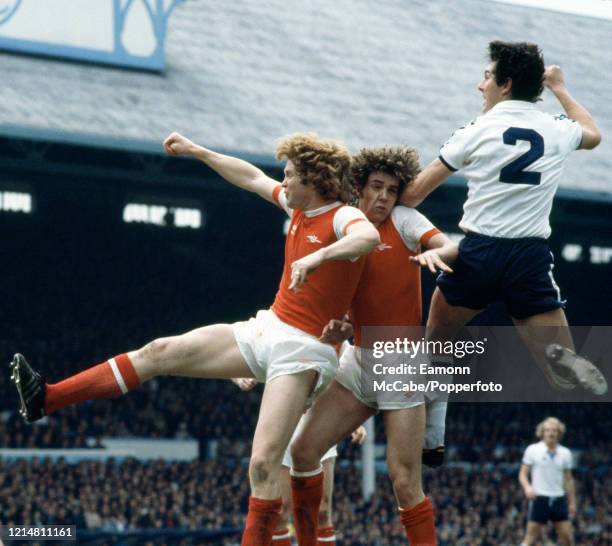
324	163
553	421
401	162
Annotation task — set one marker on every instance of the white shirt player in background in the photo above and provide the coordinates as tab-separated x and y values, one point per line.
512	156
551	491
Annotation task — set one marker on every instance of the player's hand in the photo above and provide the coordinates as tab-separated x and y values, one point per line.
245	383
553	77
177	144
530	493
571	509
358	436
336	331
432	261
302	268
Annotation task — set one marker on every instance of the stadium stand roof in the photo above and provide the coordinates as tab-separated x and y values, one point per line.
240	74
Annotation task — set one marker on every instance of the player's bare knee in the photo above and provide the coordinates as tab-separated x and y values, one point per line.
260	469
304	455
155	350
405	483
404	466
405	477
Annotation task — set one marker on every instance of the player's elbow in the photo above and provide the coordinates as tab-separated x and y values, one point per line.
591	139
371	238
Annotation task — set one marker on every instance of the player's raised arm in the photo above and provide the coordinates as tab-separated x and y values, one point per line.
236	171
591	135
425	182
360	238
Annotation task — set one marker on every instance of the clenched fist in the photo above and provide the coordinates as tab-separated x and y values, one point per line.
177	144
553	77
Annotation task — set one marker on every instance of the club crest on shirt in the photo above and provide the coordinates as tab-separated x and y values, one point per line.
313	239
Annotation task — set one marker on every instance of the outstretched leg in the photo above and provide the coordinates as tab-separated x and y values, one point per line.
549	339
208	352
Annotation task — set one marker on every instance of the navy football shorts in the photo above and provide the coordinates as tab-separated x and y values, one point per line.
545	509
515	271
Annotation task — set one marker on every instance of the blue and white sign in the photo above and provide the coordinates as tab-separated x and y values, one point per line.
122	32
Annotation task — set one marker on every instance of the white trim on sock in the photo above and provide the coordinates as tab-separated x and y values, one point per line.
327	539
281	537
118	376
307	474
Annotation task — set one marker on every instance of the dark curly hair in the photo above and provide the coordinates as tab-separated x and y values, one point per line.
521	62
324	163
401	162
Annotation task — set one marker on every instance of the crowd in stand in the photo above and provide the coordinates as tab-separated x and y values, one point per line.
475	506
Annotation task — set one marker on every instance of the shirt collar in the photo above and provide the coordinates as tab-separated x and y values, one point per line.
506	105
321	210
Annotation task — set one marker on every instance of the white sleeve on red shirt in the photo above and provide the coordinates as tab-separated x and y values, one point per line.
344	217
281	199
414	228
570	131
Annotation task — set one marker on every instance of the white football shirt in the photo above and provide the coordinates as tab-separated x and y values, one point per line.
512	157
547	468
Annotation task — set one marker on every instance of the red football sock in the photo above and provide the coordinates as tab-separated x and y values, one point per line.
306	491
419	524
326	536
107	380
281	537
261	521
